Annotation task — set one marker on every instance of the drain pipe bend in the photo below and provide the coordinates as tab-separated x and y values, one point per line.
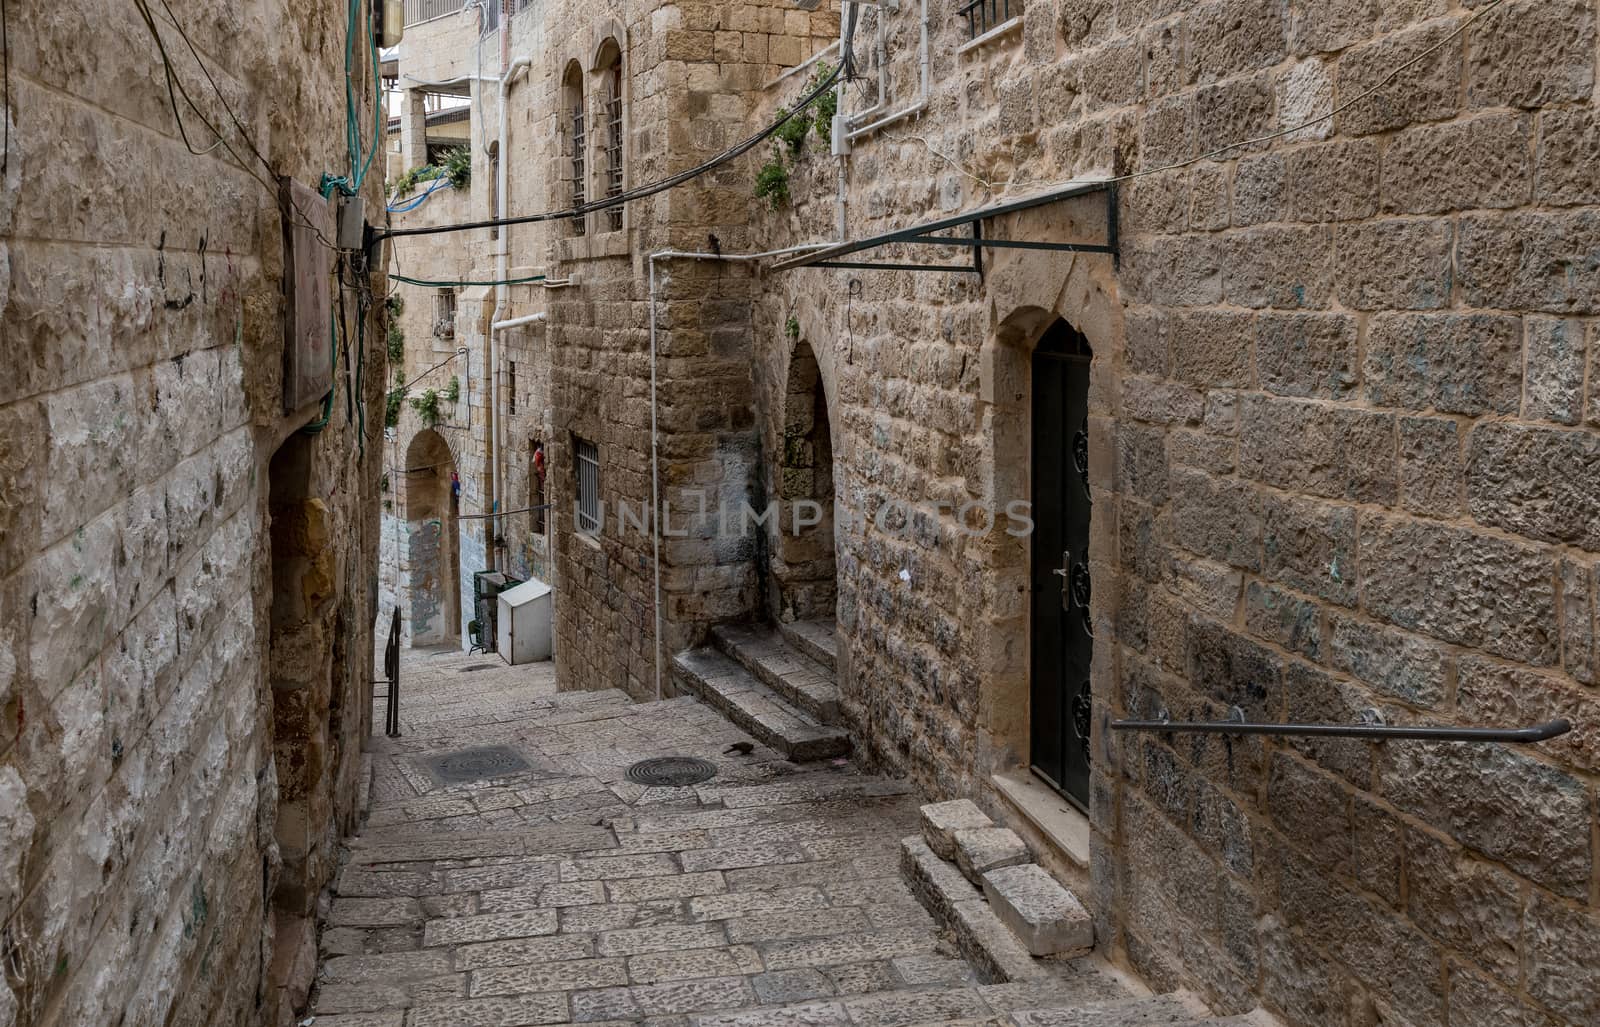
924	78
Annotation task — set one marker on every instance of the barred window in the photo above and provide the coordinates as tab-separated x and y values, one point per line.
983	15
577	140
612	69
588	467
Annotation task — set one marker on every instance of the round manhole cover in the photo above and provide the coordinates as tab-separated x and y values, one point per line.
672	771
477	764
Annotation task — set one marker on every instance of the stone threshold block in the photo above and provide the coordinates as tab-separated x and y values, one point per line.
1049	919
941	821
992	950
982	849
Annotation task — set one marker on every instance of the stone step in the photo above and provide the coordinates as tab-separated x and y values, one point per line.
1047	918
1179	1009
758	710
815	638
798	678
993	951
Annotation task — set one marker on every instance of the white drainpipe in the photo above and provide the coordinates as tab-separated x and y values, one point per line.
496	420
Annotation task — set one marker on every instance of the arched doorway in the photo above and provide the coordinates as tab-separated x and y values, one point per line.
1061	631
803	568
432	557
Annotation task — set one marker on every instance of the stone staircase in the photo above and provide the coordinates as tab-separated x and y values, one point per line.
777	684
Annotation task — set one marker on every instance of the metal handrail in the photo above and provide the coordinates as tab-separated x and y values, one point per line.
1371	727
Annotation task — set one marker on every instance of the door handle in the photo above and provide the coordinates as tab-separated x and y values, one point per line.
1065	573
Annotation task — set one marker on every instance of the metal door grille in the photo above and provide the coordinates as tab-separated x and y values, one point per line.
588	486
578	143
614	150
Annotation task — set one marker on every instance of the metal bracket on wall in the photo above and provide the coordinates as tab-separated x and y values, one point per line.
974	239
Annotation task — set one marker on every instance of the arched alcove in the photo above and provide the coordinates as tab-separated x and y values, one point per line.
433	568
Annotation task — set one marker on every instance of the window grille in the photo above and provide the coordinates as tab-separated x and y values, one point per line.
578	143
983	15
614	149
588	461
494	188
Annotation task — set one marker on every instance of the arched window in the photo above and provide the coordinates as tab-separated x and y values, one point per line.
572	105
610	69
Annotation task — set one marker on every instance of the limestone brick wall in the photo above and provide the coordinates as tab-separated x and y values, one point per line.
186	586
1342	438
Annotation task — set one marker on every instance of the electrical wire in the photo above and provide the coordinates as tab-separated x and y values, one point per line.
406	206
430	284
738	149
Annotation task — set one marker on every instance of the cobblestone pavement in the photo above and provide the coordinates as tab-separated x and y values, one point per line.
556	890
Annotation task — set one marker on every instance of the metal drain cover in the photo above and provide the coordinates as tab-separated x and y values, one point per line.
476	764
672	771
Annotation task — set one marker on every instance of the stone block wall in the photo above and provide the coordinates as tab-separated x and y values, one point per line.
1342	425
165	536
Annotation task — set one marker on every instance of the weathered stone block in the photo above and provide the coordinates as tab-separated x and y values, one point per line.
1276	266
1260	190
1231	37
1474	162
1578	621
1332	451
1555	362
941	821
1532	261
1313	809
1234	670
1537	482
1161	402
1208	197
1529	815
1427	92
979	850
1307	354
1335	181
1459	586
1456	363
1216	517
1430	466
1488	692
1211	348
1413	670
1048	919
1283	618
1544	54
1557	940
1395	265
1568	152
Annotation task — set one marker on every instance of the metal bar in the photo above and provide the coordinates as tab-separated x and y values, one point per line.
1377	732
1113	242
1013	244
817	257
870	266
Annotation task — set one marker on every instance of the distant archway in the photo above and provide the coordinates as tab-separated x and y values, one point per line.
803	566
433	558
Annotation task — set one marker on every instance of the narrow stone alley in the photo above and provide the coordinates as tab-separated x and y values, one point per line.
511	873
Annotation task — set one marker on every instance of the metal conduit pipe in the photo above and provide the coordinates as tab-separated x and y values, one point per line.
655	434
924	78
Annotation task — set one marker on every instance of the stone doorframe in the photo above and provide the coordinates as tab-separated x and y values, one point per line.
1027	291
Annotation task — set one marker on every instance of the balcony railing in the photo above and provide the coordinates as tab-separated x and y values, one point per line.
427	10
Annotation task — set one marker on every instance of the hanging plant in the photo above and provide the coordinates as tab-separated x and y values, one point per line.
427	407
772	181
452	392
396	340
392	401
795	129
791	328
827	104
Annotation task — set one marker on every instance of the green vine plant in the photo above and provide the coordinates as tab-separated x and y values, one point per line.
392	401
396	340
827	104
452	392
772	181
791	328
427	407
795	130
454	164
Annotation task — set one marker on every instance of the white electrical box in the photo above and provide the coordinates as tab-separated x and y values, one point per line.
526	612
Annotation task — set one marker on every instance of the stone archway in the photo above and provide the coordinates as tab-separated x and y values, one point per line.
432	559
804	576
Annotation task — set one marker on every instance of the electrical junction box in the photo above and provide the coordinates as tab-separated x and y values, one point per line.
352	223
524	622
308	230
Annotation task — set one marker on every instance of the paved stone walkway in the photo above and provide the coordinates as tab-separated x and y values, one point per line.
559	891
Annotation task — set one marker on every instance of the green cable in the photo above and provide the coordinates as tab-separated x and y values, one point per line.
430	284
